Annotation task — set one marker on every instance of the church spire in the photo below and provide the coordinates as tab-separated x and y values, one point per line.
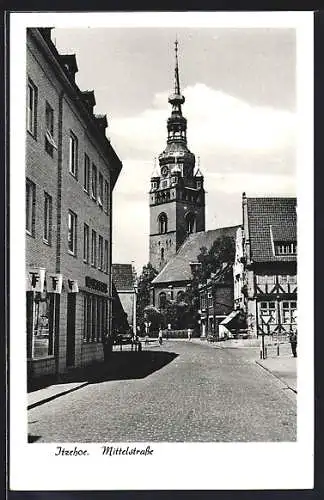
176	99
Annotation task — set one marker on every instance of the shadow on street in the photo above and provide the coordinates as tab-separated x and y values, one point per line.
120	366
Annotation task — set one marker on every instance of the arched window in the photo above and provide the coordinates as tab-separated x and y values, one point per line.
162	300
190	222
163	223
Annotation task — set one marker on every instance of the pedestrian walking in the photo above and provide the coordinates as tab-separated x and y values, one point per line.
189	333
160	336
293	343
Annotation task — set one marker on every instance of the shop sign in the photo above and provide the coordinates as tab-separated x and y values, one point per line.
35	279
72	286
54	283
100	286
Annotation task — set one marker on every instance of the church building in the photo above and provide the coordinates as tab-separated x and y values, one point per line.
177	208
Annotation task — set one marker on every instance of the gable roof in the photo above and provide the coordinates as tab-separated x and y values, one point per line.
271	220
123	277
178	268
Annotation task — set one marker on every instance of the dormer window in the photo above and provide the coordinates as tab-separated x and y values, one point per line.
285	248
154	185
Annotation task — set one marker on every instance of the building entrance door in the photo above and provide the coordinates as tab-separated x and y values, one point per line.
70	341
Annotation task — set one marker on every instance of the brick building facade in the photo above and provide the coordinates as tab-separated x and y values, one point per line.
71	170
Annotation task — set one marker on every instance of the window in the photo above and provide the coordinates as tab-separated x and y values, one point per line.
73	155
93	248
268	312
106	257
100	253
292	279
86	243
163	223
86	173
190	220
94	318
203	300
30	207
264	279
107	197
100	194
162	300
72	232
49	140
32	108
94	182
47	237
285	248
40	332
210	299
289	311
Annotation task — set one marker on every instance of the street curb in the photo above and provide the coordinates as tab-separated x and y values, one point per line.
55	396
276	376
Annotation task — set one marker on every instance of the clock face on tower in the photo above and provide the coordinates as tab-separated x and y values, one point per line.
164	171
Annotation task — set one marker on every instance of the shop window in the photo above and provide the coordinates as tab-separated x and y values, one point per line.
72	232
86	173
95	314
32	93
47	236
73	154
30	207
289	311
40	307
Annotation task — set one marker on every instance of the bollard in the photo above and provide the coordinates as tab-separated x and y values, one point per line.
278	349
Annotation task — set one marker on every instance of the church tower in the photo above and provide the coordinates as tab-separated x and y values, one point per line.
177	195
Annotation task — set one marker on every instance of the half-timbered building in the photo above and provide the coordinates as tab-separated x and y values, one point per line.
265	268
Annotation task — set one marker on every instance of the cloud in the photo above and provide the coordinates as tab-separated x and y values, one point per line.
216	122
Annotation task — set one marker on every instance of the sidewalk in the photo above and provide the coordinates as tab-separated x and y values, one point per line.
45	390
282	367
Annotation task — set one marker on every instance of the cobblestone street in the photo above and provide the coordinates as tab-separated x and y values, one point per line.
180	391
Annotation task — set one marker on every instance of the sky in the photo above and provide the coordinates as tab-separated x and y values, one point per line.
240	90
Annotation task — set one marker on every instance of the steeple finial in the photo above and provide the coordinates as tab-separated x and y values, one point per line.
176	69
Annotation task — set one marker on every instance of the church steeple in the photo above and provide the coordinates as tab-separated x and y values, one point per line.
176	151
177	195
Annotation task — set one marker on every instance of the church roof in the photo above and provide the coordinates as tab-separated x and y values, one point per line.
178	268
123	277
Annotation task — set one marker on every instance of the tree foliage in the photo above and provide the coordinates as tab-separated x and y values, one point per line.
143	293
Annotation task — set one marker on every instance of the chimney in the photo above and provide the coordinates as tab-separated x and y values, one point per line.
88	98
46	33
70	65
101	122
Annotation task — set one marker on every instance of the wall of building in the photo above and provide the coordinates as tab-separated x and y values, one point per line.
127	301
51	174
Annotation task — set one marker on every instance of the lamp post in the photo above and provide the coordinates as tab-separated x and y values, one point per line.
279	325
134	309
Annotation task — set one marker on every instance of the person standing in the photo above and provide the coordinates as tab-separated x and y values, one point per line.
160	336
293	343
189	333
